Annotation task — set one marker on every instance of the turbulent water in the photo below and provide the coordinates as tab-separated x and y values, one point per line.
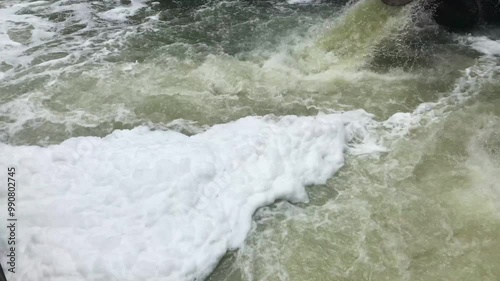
418	197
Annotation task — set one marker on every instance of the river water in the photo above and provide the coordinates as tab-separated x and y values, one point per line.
418	197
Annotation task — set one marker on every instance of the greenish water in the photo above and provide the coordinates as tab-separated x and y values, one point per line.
427	209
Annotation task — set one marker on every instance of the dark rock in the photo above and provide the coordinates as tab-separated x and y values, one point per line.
457	14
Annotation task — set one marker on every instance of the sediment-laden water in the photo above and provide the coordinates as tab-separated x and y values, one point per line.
401	116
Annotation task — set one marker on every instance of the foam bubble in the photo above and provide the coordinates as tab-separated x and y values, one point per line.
159	205
123	12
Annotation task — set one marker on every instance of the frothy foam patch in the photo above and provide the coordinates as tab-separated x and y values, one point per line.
122	13
156	205
300	1
485	45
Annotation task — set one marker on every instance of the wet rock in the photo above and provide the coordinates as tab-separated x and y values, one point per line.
457	14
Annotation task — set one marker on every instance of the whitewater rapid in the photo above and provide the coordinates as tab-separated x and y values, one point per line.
150	203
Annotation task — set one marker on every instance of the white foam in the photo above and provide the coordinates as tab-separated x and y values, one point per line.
159	205
485	45
123	12
299	1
